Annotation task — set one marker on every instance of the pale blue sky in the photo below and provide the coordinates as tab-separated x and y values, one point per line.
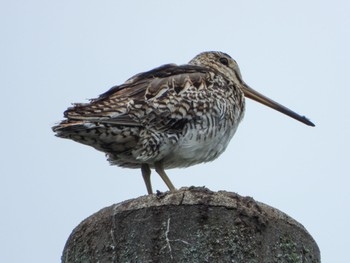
54	53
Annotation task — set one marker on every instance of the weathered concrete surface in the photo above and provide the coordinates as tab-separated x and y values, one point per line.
191	225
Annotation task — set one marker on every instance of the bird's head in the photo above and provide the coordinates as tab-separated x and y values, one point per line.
228	67
220	62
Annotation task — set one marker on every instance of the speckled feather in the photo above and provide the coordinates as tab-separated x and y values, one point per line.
179	115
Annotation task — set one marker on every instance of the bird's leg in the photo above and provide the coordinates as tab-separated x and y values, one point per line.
160	170
146	174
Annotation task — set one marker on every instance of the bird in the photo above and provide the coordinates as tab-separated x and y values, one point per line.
172	116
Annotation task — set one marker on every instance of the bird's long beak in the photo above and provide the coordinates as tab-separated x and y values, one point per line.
254	95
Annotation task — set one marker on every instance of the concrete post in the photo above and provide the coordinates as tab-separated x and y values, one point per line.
191	225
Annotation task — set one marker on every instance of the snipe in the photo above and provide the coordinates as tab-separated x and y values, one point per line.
171	116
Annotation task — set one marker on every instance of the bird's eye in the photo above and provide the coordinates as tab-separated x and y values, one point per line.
224	61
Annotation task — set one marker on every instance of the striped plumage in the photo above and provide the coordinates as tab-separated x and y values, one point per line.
171	116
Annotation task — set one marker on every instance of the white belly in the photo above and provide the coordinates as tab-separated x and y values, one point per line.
198	146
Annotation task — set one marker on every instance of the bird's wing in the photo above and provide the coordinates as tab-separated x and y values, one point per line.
150	98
